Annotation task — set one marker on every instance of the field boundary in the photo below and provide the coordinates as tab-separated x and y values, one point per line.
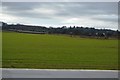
60	69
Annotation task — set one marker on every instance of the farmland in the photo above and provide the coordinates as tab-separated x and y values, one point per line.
45	51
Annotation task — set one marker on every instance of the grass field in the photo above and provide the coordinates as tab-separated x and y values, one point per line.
43	51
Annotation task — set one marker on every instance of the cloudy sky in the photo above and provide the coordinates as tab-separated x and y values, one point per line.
86	14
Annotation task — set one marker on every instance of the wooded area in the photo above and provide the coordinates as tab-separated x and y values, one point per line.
71	30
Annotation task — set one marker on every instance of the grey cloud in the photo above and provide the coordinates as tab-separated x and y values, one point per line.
108	19
89	9
18	6
74	9
106	7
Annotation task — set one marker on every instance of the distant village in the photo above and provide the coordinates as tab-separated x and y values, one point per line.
71	30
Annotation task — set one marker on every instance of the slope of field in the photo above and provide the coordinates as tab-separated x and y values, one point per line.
21	50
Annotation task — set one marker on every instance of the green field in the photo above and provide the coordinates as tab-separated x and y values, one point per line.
44	51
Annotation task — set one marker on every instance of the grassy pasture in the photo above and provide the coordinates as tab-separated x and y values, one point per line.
21	50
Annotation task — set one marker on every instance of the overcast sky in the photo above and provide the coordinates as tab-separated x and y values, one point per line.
87	14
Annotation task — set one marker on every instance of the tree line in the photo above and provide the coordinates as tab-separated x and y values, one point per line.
71	30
